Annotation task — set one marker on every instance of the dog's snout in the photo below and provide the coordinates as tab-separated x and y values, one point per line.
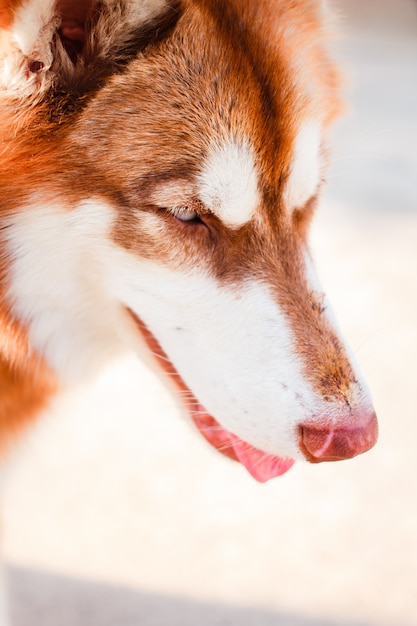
335	443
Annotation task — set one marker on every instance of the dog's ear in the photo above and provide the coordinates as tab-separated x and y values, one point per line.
44	42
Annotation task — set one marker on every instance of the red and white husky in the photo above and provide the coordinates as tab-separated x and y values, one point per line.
161	161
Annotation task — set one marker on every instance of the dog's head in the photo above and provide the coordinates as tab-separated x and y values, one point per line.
164	159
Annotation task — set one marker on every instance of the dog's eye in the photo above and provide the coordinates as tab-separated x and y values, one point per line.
186	214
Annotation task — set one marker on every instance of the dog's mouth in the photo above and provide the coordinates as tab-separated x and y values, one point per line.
260	465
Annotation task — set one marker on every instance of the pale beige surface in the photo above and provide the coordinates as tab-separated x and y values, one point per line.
117	514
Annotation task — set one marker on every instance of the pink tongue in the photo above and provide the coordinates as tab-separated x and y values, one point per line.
260	465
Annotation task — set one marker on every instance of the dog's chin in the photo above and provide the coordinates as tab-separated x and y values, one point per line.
260	465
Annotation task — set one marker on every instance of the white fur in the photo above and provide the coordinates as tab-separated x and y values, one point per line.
305	166
57	285
31	34
228	184
231	344
33	27
233	348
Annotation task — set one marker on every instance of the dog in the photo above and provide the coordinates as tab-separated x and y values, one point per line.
161	163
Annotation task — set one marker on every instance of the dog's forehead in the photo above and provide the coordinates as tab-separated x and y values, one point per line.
206	106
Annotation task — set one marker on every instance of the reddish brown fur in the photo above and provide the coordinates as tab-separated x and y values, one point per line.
228	68
26	383
7	8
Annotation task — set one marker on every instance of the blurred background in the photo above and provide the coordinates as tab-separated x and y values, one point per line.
116	513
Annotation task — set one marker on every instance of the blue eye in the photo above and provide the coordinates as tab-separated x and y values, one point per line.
185	214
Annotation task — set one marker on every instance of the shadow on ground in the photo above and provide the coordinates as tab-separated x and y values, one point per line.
38	598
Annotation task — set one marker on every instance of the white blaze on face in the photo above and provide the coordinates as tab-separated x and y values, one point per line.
228	183
305	166
232	346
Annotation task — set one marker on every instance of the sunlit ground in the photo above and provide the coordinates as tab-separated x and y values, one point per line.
116	513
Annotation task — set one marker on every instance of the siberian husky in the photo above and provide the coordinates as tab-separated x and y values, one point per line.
161	161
